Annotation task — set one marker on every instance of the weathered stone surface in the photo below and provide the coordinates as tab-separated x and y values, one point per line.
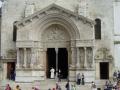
46	24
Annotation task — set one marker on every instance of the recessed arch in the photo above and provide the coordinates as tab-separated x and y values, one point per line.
62	20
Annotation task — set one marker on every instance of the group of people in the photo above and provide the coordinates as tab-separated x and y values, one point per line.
9	88
116	75
80	79
52	74
110	86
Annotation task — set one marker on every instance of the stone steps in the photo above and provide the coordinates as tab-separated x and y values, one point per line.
43	85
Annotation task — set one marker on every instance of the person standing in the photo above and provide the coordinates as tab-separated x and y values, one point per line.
115	76
83	79
78	79
52	73
59	75
67	85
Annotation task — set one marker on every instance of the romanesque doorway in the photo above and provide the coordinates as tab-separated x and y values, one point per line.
104	70
62	61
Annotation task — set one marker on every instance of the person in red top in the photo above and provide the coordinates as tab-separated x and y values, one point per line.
8	87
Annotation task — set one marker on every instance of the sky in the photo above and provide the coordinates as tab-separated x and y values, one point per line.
0	3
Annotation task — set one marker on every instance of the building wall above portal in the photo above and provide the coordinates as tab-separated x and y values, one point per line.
14	10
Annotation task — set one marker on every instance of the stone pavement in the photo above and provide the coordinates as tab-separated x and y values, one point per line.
44	85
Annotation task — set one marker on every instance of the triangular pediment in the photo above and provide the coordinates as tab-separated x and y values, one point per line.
53	8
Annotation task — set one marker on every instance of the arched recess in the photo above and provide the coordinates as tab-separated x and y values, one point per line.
62	20
58	31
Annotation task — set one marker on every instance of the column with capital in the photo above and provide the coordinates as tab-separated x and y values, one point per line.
25	58
18	58
78	58
85	59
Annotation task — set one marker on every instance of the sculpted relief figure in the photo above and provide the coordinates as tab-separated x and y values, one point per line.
55	33
82	57
89	57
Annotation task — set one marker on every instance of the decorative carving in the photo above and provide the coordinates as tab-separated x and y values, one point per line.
29	9
21	56
82	55
103	53
28	55
89	56
82	7
53	8
55	33
11	53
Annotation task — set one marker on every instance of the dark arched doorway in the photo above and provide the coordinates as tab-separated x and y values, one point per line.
62	61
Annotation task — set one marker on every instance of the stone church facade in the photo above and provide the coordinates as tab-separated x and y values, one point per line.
37	35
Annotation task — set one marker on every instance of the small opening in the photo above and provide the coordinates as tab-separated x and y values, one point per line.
14	31
104	70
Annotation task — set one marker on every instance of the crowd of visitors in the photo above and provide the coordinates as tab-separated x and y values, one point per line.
115	85
116	76
9	88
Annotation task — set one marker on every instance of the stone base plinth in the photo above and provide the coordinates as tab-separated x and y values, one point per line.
72	75
29	75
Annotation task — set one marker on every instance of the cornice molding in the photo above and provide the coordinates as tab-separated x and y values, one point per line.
51	9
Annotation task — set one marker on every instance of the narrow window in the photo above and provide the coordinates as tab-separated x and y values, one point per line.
97	29
14	31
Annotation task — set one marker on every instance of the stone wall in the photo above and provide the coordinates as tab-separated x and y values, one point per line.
13	11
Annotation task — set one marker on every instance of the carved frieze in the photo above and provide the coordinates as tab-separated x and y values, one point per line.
103	54
55	33
11	53
53	8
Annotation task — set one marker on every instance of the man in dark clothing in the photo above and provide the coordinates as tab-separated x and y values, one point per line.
67	85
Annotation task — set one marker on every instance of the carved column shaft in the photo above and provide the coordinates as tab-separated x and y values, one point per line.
32	57
93	62
25	58
73	56
40	57
85	61
78	58
18	58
